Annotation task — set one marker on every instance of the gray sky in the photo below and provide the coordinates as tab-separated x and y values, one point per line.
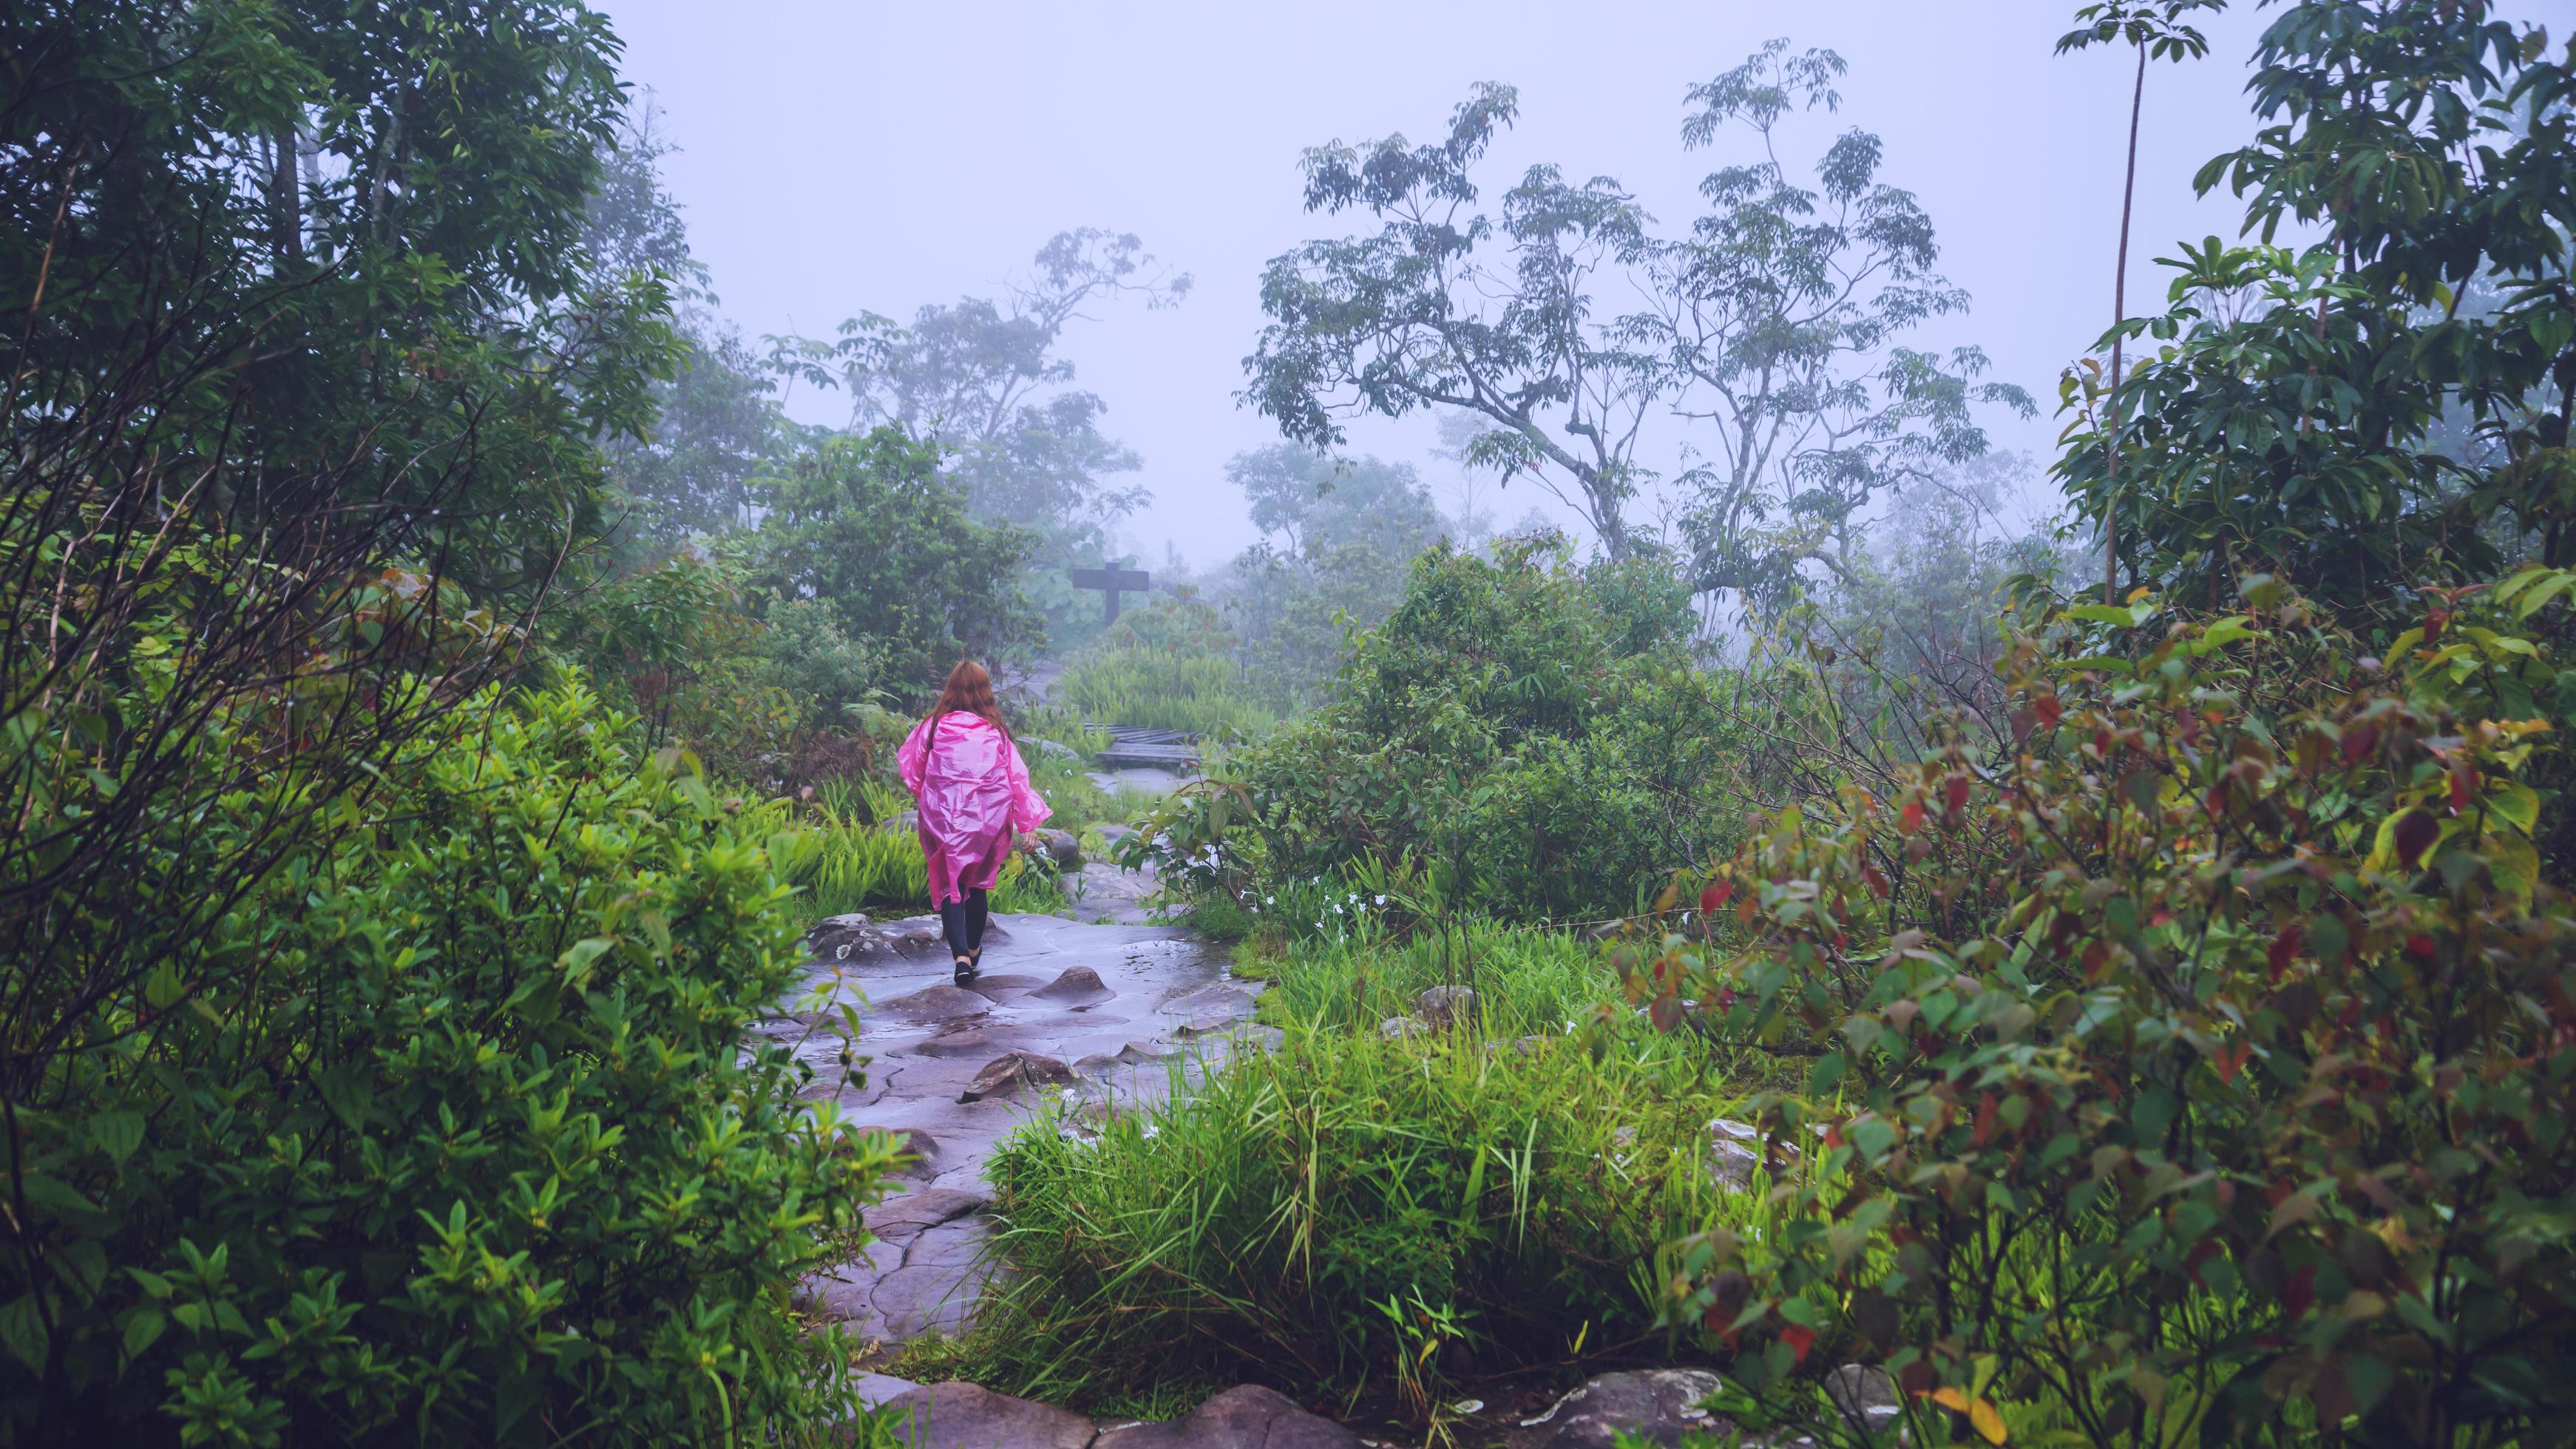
841	157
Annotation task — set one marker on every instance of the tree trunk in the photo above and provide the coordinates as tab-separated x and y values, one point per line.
2120	314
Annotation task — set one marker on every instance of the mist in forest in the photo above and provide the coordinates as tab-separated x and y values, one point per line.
839	160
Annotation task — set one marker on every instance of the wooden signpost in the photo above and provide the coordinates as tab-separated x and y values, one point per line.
1113	581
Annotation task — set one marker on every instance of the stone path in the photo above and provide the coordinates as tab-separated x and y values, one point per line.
1069	1021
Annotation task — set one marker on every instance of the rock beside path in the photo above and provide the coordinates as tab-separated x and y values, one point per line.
1245	1417
970	1416
1658	1406
1016	1071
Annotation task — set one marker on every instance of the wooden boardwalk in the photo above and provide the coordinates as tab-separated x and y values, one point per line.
1130	747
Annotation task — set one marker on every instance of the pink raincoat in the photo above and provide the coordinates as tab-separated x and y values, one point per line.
974	793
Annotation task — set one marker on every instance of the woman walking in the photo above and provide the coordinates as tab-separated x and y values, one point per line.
974	794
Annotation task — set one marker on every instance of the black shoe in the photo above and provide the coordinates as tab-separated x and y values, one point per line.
965	970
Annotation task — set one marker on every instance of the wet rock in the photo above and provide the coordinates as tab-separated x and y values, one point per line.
1055	750
1736	1150
1012	1072
1056	847
919	1146
1245	1417
1658	1406
1077	986
900	1219
1396	1028
970	1416
1442	1007
1865	1395
837	938
937	1003
909	820
874	1389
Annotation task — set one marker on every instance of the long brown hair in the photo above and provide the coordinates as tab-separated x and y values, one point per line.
970	690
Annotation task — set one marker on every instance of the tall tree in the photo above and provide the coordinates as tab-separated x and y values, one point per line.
1444	307
305	368
2154	28
985	381
1769	345
2287	426
1775	329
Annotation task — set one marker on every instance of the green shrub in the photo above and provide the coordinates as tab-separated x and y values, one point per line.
2207	1048
444	1127
1334	1216
1536	737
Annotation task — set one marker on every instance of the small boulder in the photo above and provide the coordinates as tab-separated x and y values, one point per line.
1057	750
1736	1150
1245	1417
1657	1406
1078	986
1012	1072
1057	848
1397	1028
970	1416
1443	1007
837	938
1865	1395
905	820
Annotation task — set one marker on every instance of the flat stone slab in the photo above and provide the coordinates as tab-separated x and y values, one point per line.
970	1416
939	1003
1245	1417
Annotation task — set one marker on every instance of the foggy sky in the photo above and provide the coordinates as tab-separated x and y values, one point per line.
848	157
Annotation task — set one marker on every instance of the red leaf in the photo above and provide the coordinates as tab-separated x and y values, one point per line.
2416	831
1986	1118
2050	711
2301	1290
1666	1012
1799	1338
1910	819
1958	792
2284	946
2358	742
2434	622
1714	895
2421	948
2230	1060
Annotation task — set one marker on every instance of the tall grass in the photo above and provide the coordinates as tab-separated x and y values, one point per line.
843	863
1162	688
1357	1215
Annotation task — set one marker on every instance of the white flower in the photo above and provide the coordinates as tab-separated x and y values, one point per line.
1270	900
1381	900
1337	908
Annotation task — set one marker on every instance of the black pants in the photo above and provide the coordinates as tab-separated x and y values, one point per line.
962	922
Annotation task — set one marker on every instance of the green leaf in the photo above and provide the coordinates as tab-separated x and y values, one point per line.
163	988
22	1332
117	1133
143	1328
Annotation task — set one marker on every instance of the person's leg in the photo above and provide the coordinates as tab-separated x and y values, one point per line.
978	909
954	923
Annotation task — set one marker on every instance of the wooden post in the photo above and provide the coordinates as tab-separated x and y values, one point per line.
1112	581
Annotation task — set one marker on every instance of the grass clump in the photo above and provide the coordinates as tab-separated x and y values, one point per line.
1363	1216
1154	687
